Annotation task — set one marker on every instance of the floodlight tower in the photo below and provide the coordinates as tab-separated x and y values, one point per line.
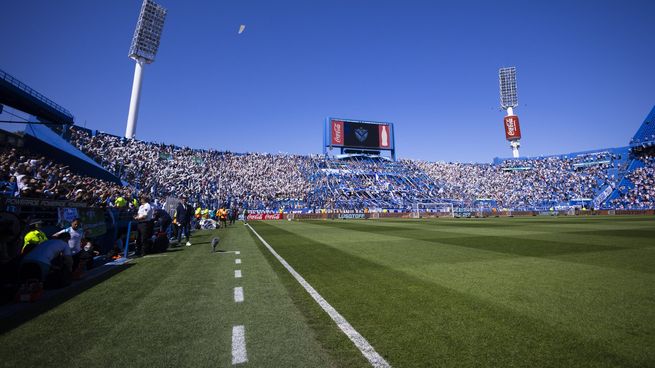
143	50
508	101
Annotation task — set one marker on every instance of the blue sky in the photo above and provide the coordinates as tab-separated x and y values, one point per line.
586	71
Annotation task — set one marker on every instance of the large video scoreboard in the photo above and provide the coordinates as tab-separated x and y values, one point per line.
359	134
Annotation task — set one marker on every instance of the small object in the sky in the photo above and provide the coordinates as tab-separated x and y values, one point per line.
242	28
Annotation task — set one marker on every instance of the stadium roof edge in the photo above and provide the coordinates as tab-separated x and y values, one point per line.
20	96
621	149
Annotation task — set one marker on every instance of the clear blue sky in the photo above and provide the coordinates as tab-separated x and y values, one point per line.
586	71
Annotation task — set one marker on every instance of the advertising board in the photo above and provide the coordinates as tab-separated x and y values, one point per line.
512	128
265	216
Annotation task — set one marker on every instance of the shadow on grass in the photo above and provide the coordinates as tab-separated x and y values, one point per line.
14	315
173	249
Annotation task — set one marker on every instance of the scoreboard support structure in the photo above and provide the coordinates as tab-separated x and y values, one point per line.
363	136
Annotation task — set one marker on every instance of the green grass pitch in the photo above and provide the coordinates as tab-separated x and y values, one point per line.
508	292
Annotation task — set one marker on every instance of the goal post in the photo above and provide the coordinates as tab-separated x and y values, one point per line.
432	209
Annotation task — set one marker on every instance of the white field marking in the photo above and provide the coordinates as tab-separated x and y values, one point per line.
237	274
237	261
238	294
227	252
239	353
360	342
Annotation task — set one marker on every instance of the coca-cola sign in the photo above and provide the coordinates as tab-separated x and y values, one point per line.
265	216
512	128
337	133
385	136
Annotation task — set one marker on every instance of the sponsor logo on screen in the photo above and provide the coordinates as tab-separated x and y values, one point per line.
512	127
384	136
337	132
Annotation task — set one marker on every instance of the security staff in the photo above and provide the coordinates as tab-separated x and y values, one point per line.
34	237
144	226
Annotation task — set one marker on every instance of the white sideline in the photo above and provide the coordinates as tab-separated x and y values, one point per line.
239	353
238	294
360	342
237	261
237	274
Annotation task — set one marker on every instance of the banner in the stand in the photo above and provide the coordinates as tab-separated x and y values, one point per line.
93	219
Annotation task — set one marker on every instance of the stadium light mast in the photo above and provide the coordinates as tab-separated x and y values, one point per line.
143	50
508	101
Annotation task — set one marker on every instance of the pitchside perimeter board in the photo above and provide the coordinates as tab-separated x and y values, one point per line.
358	135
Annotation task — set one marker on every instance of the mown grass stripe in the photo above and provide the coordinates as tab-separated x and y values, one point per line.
375	359
512	311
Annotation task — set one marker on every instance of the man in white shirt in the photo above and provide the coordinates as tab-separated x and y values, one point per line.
144	226
76	233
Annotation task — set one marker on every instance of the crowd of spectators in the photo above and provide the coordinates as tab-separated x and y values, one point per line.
361	182
520	183
642	193
206	177
272	181
27	175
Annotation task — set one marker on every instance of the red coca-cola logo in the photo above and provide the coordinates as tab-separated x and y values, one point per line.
265	216
512	127
337	132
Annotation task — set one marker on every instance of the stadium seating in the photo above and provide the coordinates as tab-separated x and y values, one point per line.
611	178
645	135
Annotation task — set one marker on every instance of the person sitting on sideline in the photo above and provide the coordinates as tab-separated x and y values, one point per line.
33	237
50	261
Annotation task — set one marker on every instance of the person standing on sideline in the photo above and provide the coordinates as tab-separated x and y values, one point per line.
184	214
144	226
76	234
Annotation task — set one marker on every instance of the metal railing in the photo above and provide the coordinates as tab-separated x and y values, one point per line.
27	89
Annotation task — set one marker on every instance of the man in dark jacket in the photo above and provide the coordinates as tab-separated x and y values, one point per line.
183	216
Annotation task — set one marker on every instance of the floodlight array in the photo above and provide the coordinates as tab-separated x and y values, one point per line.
148	32
508	96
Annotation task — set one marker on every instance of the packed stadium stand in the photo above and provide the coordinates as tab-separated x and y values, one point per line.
104	167
355	182
603	178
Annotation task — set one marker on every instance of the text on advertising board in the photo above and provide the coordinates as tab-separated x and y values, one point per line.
512	128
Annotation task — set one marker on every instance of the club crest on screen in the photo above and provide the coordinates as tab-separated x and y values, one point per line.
361	134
